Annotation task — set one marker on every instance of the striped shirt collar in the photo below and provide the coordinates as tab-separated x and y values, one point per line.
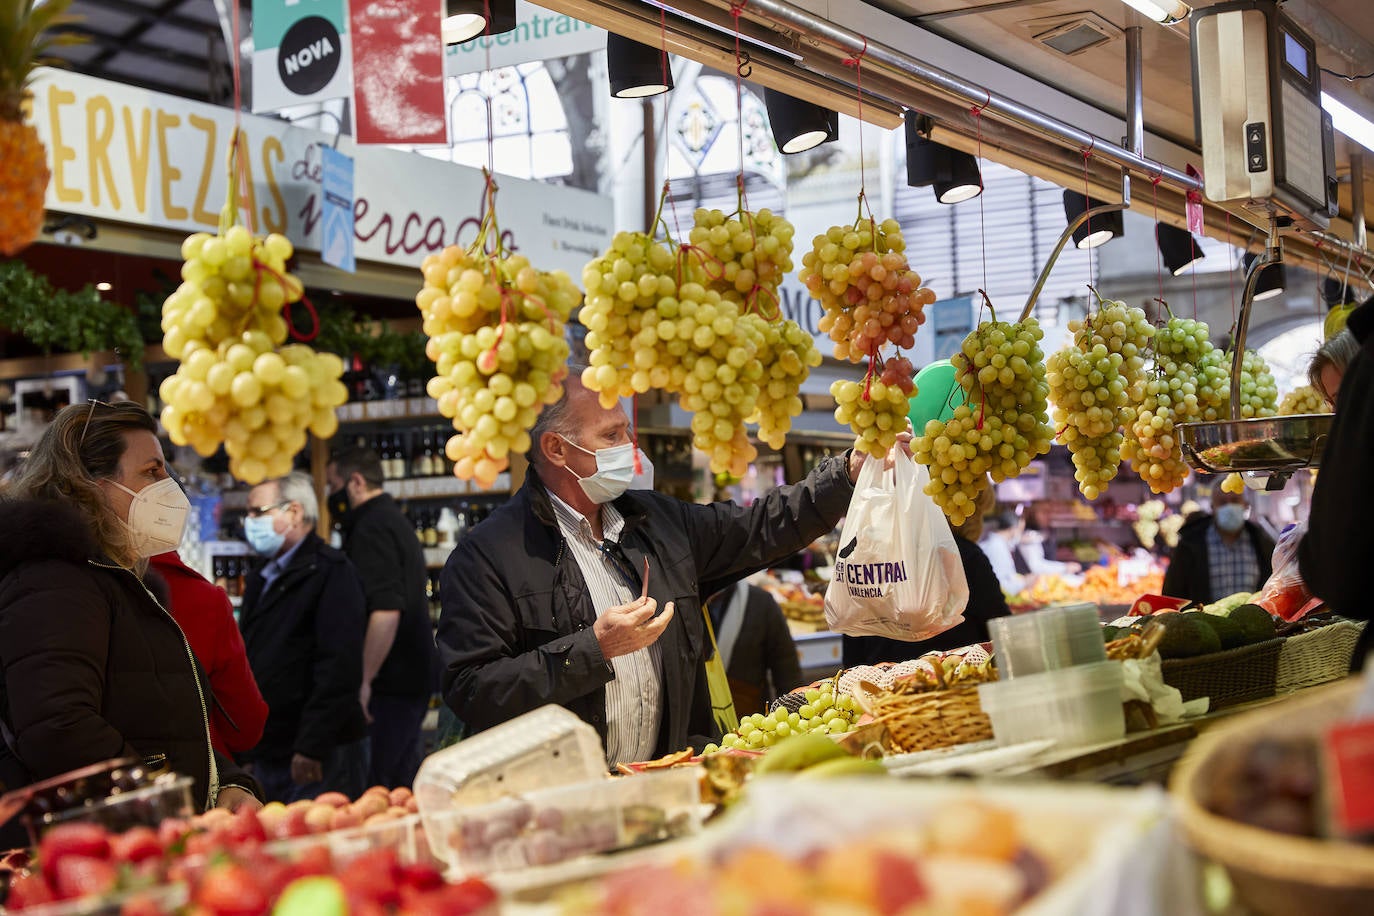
573	522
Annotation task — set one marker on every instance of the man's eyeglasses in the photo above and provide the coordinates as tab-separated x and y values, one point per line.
259	511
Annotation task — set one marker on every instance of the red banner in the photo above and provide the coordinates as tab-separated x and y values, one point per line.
398	71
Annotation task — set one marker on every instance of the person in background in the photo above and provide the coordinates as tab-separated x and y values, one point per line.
755	644
985	601
202	609
1032	552
398	650
547	600
1340	539
92	667
1219	554
1001	543
303	619
1329	364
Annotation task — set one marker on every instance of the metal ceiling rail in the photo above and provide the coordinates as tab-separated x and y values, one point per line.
782	15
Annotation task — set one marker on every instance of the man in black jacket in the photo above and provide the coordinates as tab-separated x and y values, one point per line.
398	649
302	622
1340	538
1219	554
541	602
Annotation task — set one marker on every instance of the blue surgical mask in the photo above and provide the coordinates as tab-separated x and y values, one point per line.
263	536
1231	517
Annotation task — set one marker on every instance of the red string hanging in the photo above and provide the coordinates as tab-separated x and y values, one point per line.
977	112
1088	205
1159	263
857	62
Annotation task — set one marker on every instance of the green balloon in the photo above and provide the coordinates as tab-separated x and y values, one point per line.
937	394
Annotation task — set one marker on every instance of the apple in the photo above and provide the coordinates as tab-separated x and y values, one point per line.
344	818
383	791
399	796
371	803
412	805
318	818
293	823
333	799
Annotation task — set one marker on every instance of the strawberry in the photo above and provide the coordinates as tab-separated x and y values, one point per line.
171	833
88	840
228	889
374	877
28	889
472	895
82	876
135	845
421	877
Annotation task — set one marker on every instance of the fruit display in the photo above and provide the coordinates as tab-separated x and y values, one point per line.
814	756
1259	394
330	811
495	325
824	712
694	321
1003	423
1187	383
1094	382
798	603
236	384
1303	399
1188	634
24	41
1101	585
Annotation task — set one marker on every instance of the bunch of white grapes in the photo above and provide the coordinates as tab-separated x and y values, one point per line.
871	295
656	321
744	257
496	337
236	385
1259	394
823	713
1093	383
876	409
1304	399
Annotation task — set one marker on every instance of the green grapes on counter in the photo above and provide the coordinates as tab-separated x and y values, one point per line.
823	713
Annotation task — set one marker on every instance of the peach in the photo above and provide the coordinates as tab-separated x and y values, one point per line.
319	818
370	804
412	805
305	804
292	824
332	799
397	811
343	818
376	790
381	818
399	795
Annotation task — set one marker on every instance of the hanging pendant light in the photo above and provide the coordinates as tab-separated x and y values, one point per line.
1272	279
466	19
1097	231
954	175
797	125
637	71
1177	247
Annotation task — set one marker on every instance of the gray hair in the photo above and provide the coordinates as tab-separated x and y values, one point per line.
1338	353
298	487
556	417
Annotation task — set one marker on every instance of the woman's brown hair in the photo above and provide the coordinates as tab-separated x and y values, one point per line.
83	444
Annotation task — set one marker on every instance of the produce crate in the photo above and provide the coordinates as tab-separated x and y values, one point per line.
1318	656
926	721
1229	677
1274	874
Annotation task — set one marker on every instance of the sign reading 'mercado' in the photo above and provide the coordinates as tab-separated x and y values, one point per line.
129	155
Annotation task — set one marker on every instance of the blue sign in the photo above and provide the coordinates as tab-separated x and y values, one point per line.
336	221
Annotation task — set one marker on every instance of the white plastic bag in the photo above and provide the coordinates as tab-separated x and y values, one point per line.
898	572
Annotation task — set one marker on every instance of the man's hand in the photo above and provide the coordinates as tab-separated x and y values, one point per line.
631	627
857	457
365	701
305	770
237	799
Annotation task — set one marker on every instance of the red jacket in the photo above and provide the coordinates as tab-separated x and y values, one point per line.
207	618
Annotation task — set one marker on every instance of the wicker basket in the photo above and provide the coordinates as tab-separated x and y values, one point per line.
1318	656
1228	677
925	721
1275	874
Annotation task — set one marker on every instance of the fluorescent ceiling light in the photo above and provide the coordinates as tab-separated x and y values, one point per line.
1166	12
1349	121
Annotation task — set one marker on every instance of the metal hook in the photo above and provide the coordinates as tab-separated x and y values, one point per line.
743	65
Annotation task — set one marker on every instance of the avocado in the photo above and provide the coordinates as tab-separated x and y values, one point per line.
1228	630
1186	636
1256	624
1110	633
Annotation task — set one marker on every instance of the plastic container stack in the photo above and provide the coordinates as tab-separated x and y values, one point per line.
1056	680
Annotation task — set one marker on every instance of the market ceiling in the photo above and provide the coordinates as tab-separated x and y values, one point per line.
178	46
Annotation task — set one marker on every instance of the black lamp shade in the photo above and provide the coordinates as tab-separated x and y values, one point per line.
1334	292
797	125
466	19
1272	279
637	70
1096	231
953	175
1177	247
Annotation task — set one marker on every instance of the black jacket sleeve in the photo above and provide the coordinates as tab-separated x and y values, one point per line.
54	641
986	599
731	541
1340	539
487	672
340	623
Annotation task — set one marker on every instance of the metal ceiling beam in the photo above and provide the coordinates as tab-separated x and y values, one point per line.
119	44
148	14
133	34
923	18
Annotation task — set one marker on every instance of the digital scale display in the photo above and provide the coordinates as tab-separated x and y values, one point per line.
1295	55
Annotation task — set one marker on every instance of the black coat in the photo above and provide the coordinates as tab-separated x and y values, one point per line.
516	629
1190	571
764	662
986	600
391	565
1340	539
93	666
304	637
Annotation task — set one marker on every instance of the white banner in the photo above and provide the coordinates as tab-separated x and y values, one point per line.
539	35
129	155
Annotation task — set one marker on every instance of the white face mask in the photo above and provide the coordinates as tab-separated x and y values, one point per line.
615	469
1231	517
157	516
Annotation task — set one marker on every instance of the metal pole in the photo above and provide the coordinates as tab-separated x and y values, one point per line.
1273	254
1064	237
1135	92
1357	222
